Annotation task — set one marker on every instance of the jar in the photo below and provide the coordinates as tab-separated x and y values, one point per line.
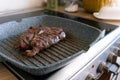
95	5
71	6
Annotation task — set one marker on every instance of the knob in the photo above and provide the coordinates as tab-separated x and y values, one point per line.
102	67
117	51
114	59
90	77
109	58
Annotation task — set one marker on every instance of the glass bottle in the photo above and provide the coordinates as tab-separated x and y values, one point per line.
52	4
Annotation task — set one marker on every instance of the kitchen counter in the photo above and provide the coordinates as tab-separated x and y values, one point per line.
5	74
82	13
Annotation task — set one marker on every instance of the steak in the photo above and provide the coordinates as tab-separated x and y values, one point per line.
36	39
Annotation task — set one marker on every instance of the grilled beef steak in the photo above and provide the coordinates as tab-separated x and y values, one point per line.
36	39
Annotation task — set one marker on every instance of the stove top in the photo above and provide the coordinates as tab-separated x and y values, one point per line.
26	76
97	24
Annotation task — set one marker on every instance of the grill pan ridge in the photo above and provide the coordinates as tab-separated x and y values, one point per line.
78	39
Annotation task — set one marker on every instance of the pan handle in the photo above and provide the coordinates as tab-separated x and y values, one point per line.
102	34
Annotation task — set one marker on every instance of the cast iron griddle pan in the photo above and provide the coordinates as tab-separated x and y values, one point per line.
78	39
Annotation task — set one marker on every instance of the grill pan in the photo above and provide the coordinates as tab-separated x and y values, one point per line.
78	39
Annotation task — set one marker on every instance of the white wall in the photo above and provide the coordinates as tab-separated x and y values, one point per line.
6	5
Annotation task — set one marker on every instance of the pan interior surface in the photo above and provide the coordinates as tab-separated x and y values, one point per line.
78	39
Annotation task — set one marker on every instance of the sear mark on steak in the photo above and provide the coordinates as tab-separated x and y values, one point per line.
36	39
